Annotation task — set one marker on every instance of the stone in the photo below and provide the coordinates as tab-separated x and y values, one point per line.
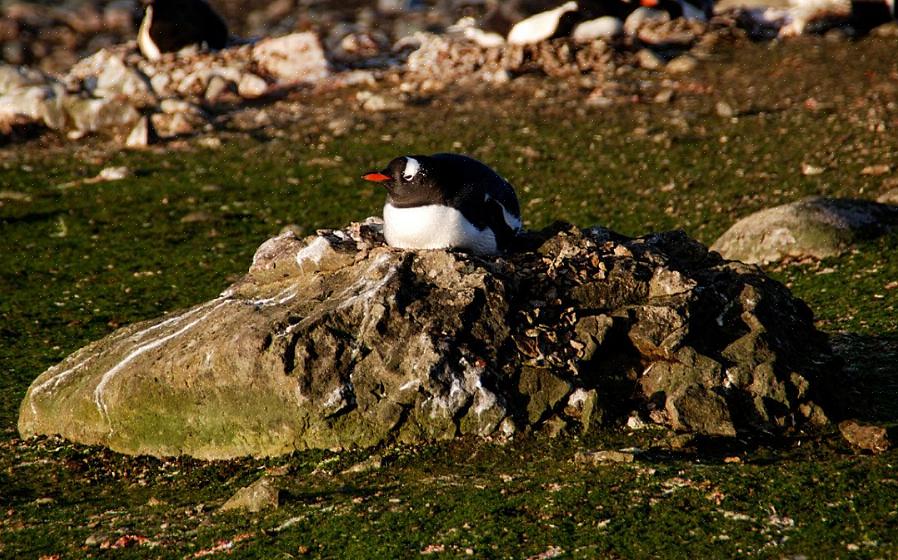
339	341
813	227
865	436
17	77
292	58
604	28
543	390
44	104
261	495
682	64
93	115
218	87
376	103
596	458
641	17
889	197
141	135
119	80
724	109
649	59
251	86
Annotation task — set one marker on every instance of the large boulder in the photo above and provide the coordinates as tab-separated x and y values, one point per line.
813	227
338	340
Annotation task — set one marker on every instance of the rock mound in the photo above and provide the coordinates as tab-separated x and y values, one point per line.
338	340
814	227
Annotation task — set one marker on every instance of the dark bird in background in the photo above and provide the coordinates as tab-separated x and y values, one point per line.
171	25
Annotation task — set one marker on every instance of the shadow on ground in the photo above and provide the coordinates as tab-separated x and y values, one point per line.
869	387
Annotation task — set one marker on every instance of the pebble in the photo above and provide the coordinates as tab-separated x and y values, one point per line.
252	86
682	64
649	60
140	134
595	458
723	109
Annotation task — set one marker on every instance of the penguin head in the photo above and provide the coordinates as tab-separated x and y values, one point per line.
409	180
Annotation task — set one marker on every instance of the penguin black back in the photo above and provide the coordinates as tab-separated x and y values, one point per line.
180	23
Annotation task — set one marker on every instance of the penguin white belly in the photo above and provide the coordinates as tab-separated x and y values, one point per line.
144	41
435	227
539	27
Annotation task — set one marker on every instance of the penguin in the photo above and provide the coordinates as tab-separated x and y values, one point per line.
563	20
171	25
545	25
818	16
447	201
700	10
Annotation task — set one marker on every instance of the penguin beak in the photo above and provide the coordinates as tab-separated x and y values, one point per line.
648	3
375	176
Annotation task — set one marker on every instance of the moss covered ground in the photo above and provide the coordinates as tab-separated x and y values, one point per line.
80	258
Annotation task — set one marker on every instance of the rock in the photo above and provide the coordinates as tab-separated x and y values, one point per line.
119	80
649	60
724	109
337	341
292	58
889	197
261	495
876	170
218	87
44	104
682	64
865	436
641	17
13	78
376	103
92	115
812	227
605	28
595	458
141	135
251	86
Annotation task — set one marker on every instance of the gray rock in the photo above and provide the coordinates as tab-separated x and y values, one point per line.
92	115
44	104
338	341
813	227
649	59
260	495
682	64
141	135
16	77
219	87
641	17
119	80
889	197
251	86
292	58
865	436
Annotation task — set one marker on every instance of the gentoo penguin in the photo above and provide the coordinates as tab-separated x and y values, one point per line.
561	21
545	25
446	201
701	10
822	15
171	25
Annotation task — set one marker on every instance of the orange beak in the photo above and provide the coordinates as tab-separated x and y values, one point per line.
648	3
375	176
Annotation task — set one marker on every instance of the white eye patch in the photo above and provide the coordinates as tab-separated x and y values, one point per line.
411	168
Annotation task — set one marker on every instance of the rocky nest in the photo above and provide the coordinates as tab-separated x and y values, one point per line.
338	341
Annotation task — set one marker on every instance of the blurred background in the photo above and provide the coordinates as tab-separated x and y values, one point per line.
52	35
